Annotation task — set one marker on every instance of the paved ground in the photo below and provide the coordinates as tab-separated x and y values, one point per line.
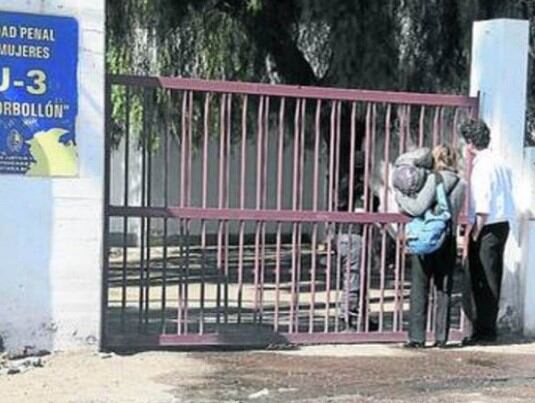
357	373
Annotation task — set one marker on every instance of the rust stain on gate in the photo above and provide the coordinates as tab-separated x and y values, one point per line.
225	201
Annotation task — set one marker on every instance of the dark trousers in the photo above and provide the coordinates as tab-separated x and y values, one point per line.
485	262
349	247
439	266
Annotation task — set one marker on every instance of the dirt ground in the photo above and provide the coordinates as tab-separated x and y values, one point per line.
345	373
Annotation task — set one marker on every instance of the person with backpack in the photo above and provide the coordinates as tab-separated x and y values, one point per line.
429	190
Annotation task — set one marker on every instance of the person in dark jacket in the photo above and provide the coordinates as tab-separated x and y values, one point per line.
440	264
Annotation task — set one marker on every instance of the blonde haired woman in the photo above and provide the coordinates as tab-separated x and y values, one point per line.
440	264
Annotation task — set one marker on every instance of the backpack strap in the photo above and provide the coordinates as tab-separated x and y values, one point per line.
442	198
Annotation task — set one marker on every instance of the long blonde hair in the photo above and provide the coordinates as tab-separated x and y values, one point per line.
444	158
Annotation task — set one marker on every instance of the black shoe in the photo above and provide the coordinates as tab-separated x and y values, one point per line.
373	325
440	344
479	339
469	341
414	344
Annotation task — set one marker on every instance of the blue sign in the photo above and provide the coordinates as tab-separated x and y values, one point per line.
38	94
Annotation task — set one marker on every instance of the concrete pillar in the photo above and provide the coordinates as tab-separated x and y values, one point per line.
51	227
528	243
499	75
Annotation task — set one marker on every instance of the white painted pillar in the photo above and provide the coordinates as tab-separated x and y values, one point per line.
51	228
528	243
499	74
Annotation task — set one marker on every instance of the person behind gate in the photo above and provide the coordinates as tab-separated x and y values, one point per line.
426	172
491	210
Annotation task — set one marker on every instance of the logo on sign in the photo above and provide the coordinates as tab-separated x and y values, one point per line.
38	94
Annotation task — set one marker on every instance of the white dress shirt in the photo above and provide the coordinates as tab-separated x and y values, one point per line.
491	189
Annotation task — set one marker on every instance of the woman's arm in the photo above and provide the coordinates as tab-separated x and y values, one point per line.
425	198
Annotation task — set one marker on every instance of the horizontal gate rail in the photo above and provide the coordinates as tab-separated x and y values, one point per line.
295	91
262	215
193	340
258	215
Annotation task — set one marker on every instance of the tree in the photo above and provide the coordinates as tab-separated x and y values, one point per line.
411	45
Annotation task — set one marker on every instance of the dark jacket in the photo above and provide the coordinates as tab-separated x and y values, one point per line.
416	205
426	197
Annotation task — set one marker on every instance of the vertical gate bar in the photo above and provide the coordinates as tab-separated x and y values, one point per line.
473	112
340	305
294	208
105	286
259	142
330	201
434	313
313	277
328	280
265	146
317	134
315	175
403	270
368	278
165	220
222	113
302	123
385	210
370	252
365	239
226	204
148	150
143	203
242	203
337	155
441	124
188	203
363	273
408	128
350	207
367	141
402	130
435	126
180	302
125	203
430	306
382	278
204	196
396	285
437	136
351	168
401	116
337	168
280	167
454	137
347	269
386	158
421	127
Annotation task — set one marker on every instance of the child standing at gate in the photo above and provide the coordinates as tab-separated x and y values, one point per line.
438	265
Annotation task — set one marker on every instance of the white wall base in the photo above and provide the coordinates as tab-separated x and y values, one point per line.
51	232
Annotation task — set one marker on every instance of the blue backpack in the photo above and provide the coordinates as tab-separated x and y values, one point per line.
426	234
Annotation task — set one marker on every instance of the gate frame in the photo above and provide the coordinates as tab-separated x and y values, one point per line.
259	89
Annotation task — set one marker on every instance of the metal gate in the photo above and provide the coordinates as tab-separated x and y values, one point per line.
226	201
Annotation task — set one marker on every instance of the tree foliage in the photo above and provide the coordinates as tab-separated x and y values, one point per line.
411	45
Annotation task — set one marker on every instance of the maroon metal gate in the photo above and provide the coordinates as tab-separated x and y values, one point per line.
225	202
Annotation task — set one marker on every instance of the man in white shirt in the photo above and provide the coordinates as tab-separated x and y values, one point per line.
491	210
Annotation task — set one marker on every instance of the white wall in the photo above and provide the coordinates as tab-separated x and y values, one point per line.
117	179
51	231
499	74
